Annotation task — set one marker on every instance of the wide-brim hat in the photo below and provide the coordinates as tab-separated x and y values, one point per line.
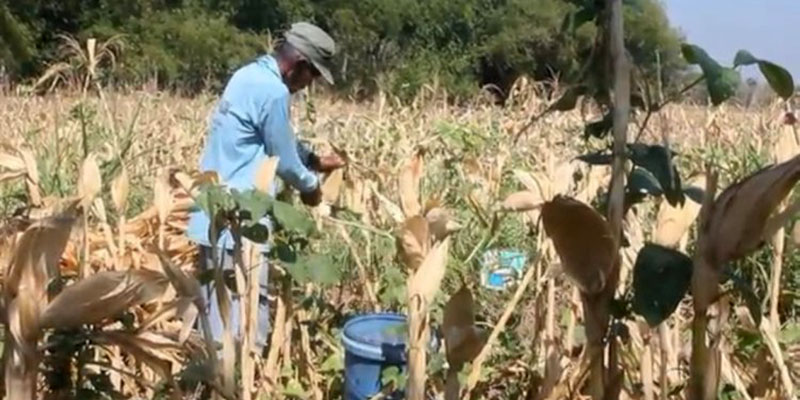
315	45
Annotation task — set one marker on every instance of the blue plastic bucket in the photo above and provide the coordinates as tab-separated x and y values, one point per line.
372	343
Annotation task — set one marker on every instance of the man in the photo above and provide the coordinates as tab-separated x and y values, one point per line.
251	122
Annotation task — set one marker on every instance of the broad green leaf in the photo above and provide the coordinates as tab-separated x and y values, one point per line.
284	252
658	161
292	219
213	198
780	80
253	205
598	158
695	193
599	128
661	278
256	233
643	182
722	82
750	298
317	268
744	57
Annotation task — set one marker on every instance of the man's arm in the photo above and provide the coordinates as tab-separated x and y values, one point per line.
280	141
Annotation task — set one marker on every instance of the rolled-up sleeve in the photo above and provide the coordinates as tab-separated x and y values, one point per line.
279	139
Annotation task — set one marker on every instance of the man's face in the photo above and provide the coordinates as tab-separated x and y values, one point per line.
300	76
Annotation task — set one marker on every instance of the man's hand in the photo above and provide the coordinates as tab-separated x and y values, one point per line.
312	198
327	163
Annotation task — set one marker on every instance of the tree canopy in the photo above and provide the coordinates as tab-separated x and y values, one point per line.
393	45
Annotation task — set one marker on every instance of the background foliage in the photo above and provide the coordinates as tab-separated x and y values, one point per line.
393	45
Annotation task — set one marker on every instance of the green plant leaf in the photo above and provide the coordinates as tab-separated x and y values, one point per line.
658	161
253	205
575	20
292	219
599	128
695	193
316	268
722	82
779	79
744	57
643	182
598	158
661	278
256	233
284	252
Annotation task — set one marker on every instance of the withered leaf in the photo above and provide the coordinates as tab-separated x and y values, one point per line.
90	181
522	201
672	223
425	282
119	190
33	265
440	223
409	180
463	340
163	195
740	214
583	240
102	295
148	348
414	241
332	186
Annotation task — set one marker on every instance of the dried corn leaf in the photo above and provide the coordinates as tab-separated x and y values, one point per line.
463	340
440	223
531	182
185	286
426	281
522	201
33	265
414	242
332	186
740	214
12	163
786	146
265	174
151	349
90	182
583	240
101	296
163	195
674	222
410	177
119	191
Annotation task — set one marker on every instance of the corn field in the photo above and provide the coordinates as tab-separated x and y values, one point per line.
101	290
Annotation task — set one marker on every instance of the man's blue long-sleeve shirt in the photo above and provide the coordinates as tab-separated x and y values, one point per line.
251	122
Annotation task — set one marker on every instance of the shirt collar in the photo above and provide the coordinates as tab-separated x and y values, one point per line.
271	64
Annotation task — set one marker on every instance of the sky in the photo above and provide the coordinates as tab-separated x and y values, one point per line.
770	29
